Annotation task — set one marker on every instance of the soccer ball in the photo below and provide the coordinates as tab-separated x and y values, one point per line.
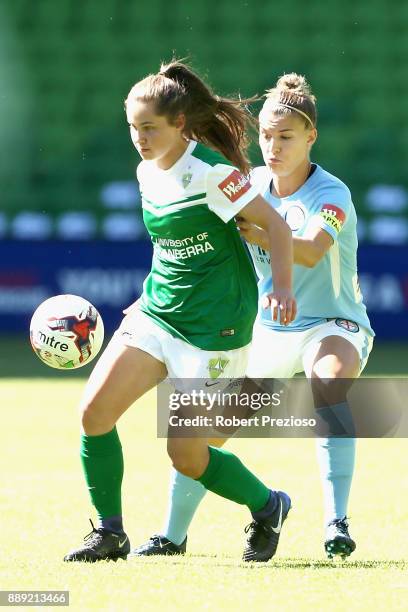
66	332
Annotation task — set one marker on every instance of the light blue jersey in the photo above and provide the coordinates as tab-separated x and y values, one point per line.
330	290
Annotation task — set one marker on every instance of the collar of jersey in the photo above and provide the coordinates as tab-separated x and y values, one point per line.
306	185
181	160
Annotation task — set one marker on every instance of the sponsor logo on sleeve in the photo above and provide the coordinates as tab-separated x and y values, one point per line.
235	185
333	216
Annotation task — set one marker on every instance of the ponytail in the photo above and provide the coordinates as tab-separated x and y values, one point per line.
220	123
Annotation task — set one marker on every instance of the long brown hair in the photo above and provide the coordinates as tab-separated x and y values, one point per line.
221	123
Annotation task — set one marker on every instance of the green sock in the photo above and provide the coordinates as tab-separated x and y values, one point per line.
102	462
227	476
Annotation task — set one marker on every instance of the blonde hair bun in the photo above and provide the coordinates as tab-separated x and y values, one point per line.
295	84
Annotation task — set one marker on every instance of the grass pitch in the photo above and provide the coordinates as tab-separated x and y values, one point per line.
45	510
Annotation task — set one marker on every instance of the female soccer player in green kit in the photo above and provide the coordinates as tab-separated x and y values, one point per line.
331	337
199	301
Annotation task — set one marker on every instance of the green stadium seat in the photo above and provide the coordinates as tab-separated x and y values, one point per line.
51	16
367	14
263	16
374	110
151	17
330	80
365	46
76	62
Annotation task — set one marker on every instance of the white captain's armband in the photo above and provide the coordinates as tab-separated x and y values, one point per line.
235	185
333	216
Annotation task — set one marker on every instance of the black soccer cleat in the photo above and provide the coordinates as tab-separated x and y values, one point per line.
159	545
338	540
101	545
263	538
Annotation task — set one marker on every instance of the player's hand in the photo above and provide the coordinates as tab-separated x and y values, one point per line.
250	232
282	304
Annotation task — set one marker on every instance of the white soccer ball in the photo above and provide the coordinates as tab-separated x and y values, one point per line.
66	332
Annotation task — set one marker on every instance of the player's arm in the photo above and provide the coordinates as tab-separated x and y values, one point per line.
278	239
307	250
230	194
323	228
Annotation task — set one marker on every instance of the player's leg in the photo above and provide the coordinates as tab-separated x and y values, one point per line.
273	355
185	493
222	472
336	358
332	362
122	375
185	496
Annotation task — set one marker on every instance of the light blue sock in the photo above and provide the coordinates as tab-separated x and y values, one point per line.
336	462
335	420
185	496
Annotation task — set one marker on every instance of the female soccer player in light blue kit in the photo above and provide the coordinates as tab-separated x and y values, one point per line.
331	337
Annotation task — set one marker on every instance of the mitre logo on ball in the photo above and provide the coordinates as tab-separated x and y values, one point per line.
66	332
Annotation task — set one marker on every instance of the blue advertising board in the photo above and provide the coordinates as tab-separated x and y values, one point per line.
110	275
383	275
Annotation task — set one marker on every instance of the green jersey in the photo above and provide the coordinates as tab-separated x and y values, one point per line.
201	287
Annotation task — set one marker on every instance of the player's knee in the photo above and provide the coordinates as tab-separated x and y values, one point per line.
185	463
327	391
95	417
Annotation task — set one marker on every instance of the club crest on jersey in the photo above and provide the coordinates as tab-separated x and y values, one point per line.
295	216
235	185
333	215
186	179
216	367
350	326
